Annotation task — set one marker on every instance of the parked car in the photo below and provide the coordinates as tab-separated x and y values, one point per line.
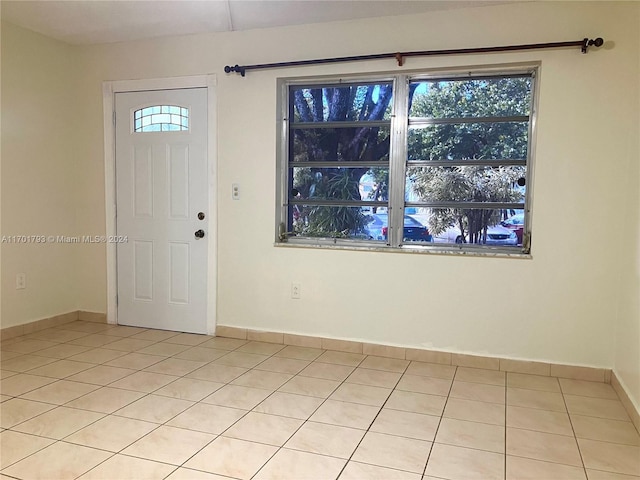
414	231
496	235
515	223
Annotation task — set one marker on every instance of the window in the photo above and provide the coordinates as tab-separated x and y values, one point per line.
161	118
409	161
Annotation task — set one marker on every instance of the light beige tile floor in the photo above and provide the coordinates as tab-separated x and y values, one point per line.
96	401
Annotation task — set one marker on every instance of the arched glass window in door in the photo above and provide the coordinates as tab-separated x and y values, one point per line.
161	118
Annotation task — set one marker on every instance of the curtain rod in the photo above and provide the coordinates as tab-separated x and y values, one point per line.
584	44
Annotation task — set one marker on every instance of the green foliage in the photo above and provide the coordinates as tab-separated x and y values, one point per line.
322	221
469	141
496	97
380	177
475	141
491	97
471	98
466	184
347	144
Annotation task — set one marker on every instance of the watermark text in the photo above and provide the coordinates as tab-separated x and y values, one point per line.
63	239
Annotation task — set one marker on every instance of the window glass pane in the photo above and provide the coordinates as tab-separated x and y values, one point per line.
469	141
151	128
488	97
336	222
150	119
160	118
414	230
472	226
340	144
514	221
466	184
370	102
349	184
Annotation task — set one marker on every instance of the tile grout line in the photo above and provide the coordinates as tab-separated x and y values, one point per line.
33	453
374	418
63	439
104	416
319	406
147	394
130	456
444	407
215	436
575	437
555	434
248	411
506	406
243	416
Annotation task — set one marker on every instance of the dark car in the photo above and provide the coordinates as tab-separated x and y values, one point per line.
414	231
515	223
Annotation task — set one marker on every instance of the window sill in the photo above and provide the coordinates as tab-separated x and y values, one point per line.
421	250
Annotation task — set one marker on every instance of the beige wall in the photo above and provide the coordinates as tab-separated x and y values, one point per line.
573	302
627	346
0	172
39	145
559	306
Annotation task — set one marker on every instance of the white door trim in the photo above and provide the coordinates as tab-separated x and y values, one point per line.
109	89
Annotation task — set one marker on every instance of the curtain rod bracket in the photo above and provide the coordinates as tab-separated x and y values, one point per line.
399	59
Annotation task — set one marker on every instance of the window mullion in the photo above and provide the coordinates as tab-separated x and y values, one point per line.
533	114
397	160
283	183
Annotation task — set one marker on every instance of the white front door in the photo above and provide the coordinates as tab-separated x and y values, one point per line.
161	209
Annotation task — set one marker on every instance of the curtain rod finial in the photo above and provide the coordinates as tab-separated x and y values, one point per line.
236	68
586	43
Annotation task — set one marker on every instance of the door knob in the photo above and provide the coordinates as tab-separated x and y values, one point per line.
199	234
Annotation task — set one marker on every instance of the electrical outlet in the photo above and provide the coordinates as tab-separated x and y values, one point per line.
295	291
21	281
235	191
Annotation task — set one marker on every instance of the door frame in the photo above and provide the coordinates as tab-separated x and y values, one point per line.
109	90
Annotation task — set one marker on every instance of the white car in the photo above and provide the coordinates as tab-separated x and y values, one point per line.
496	235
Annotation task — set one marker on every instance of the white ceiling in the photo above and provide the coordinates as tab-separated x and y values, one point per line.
83	22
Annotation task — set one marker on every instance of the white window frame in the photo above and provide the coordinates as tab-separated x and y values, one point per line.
398	162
